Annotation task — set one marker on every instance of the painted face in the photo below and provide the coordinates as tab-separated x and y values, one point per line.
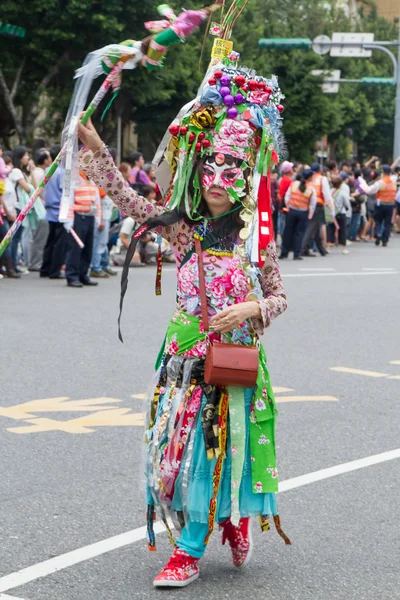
217	172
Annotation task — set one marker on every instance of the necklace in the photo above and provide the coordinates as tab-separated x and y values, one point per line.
224	247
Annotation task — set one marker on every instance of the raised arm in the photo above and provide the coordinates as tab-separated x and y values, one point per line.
97	163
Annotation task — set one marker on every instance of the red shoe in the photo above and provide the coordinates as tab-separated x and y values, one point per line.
240	540
180	570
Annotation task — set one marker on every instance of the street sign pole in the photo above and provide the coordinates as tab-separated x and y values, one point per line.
396	143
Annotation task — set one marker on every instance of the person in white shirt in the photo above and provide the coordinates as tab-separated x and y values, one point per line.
19	178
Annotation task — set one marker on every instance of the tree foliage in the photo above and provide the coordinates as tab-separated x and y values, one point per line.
36	73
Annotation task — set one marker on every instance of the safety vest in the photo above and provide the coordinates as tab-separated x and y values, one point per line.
86	197
387	192
299	200
316	182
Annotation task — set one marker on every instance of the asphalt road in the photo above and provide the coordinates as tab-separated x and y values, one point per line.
70	469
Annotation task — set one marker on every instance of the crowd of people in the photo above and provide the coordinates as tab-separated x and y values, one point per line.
315	207
43	244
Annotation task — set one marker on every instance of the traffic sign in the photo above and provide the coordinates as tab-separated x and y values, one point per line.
351	44
321	44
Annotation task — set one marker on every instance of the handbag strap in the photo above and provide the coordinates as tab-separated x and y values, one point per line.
202	284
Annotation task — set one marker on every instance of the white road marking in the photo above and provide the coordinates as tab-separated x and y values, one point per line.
354	465
306	399
359	372
378	269
395	362
315	269
19	578
336	274
5	597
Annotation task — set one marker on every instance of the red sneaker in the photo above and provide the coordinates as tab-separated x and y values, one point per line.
240	540
180	570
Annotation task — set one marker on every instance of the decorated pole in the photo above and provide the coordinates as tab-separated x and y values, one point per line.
165	33
53	168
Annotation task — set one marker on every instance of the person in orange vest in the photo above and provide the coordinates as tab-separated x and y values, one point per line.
385	190
301	201
324	196
86	212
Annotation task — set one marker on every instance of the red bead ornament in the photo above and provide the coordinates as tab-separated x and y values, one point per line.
198	147
206	143
192	137
174	129
240	80
261	85
218	74
268	90
202	135
212	81
280	108
184	130
252	84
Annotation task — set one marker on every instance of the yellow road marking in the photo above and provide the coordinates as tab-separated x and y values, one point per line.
394	377
395	362
306	399
121	417
102	412
359	372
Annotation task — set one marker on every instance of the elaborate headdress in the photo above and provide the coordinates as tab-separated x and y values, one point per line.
236	113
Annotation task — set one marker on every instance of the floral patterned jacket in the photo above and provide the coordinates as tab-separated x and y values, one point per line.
101	168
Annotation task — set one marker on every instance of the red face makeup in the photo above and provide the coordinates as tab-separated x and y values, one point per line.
217	173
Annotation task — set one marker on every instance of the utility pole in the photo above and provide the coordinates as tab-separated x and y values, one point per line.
396	144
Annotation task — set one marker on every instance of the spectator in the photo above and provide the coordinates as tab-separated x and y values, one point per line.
86	212
125	169
385	190
313	233
332	169
368	231
4	172
358	196
286	179
127	229
8	201
138	175
56	244
19	178
40	234
301	200
341	197
100	261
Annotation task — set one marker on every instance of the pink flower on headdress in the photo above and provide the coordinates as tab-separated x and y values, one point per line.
233	133
258	97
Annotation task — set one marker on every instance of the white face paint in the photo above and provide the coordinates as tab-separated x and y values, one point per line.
218	173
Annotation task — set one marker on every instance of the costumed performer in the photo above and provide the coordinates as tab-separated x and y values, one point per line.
210	449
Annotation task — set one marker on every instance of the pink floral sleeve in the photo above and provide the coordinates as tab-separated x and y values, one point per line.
274	302
100	167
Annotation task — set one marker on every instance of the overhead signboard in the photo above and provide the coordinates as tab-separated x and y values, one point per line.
331	80
351	44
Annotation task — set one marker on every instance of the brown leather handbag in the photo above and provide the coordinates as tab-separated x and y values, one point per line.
225	364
